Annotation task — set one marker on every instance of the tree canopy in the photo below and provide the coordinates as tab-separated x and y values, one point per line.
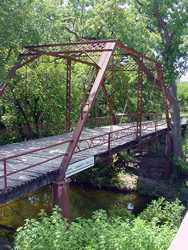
157	28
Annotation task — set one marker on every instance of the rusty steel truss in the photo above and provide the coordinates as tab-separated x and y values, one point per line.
99	55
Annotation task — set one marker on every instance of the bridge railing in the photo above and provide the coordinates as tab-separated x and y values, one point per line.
105	139
5	160
31	131
99	121
109	137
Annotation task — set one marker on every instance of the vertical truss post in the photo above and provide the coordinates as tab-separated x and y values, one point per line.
103	64
68	97
109	103
163	88
139	103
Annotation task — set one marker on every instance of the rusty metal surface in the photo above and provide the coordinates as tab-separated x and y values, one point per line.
68	97
109	104
139	102
103	63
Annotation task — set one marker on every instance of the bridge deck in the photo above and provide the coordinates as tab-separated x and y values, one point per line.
34	163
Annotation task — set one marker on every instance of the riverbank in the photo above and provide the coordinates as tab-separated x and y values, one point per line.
147	179
130	182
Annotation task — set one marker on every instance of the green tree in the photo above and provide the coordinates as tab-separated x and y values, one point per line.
168	21
34	22
182	91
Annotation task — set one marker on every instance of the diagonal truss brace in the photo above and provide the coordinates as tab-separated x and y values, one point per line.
103	63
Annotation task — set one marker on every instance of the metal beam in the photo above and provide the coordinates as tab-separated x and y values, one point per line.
163	88
68	97
109	103
62	55
103	63
132	52
139	103
70	44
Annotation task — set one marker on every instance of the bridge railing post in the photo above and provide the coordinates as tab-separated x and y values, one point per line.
109	137
155	121
5	173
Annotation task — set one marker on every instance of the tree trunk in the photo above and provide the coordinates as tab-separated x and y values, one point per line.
176	120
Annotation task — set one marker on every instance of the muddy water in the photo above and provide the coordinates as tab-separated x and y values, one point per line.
84	201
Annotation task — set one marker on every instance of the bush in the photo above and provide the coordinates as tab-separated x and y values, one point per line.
182	166
161	212
102	232
185	143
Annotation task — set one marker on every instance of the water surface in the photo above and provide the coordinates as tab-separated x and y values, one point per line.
84	201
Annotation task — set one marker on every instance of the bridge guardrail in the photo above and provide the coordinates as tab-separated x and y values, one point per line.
83	144
5	159
125	117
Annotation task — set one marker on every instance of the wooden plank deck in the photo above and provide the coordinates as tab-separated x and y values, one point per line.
40	175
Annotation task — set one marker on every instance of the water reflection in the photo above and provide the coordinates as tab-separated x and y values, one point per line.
83	202
14	213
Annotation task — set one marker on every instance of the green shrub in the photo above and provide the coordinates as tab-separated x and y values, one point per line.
182	166
102	232
185	143
184	190
161	212
117	211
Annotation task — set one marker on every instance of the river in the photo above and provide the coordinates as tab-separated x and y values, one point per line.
84	201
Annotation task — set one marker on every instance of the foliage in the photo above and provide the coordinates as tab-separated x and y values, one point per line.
182	163
150	230
182	93
182	166
167	20
36	102
100	175
184	188
162	212
185	143
120	212
109	173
